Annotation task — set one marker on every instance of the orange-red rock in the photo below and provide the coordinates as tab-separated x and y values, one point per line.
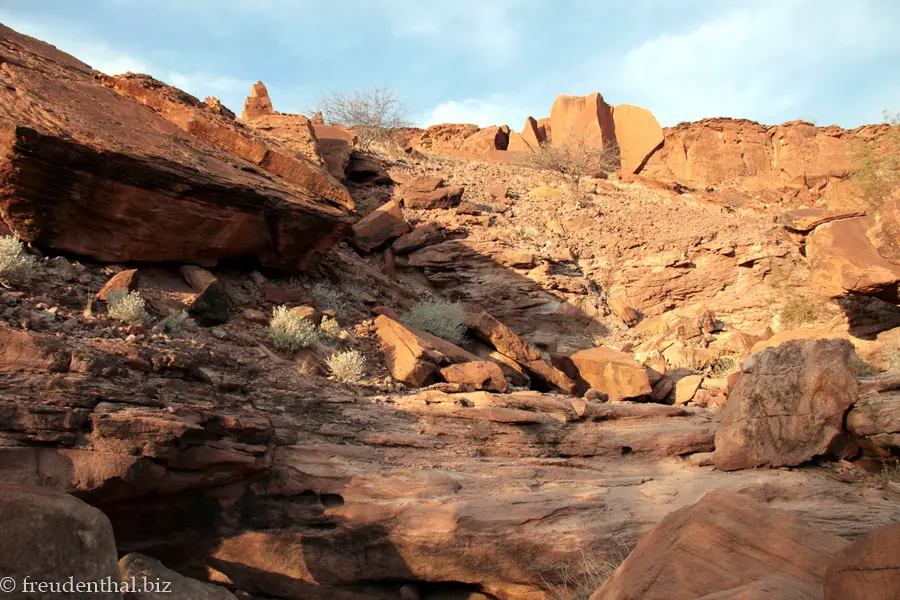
723	542
869	569
481	375
612	372
382	224
442	197
128	280
788	405
581	121
529	140
487	139
638	134
807	219
257	103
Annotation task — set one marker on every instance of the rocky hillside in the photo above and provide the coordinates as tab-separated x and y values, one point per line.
249	359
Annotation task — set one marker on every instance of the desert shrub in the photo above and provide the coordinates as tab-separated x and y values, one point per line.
374	114
176	323
330	327
574	161
444	319
866	369
290	332
579	582
15	262
348	366
892	358
724	365
329	297
799	310
877	169
127	307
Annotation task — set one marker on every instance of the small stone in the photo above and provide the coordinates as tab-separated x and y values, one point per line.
255	316
596	395
258	278
131	338
219	333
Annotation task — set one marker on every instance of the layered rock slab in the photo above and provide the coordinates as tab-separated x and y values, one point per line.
89	171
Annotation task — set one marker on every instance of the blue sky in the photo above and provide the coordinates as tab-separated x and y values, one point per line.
498	61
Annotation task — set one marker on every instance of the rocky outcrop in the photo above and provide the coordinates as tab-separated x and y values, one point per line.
90	171
582	122
531	138
869	569
638	134
382	224
788	405
257	103
843	261
139	568
486	140
50	536
413	356
726	542
614	373
875	422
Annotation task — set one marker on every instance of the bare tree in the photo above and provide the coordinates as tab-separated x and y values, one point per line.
373	113
574	161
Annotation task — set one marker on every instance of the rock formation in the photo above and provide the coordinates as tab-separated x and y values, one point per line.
257	103
638	134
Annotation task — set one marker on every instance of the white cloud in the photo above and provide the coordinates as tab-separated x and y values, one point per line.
760	63
497	110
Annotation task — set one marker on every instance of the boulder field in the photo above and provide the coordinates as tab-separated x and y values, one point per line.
678	381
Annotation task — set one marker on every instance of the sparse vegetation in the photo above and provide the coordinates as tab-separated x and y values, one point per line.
348	366
866	369
291	332
580	582
176	323
15	262
126	307
373	113
724	365
330	327
329	297
444	319
890	471
574	161
877	170
799	310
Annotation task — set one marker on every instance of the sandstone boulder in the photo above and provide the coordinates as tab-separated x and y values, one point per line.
257	103
421	236
686	387
486	140
612	372
442	197
638	134
380	225
788	404
508	343
92	172
807	219
868	569
529	140
51	536
480	375
296	132
414	357
142	567
842	260
582	122
875	421
210	304
128	280
336	145
724	541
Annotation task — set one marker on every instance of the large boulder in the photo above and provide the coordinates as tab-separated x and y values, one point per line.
638	134
49	536
615	373
788	404
382	224
842	260
582	122
104	170
336	145
875	421
480	375
869	569
486	140
508	343
725	541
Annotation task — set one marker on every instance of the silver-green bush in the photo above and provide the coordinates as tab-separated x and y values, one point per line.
176	323
348	366
15	262
330	327
290	332
444	319
127	307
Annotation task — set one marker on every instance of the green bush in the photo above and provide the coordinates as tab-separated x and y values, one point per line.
290	332
348	366
176	323
15	262
127	307
444	319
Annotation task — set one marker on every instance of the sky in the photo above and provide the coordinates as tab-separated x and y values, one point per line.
493	62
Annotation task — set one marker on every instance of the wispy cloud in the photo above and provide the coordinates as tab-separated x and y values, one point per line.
496	110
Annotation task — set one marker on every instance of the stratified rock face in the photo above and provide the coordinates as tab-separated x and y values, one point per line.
582	121
868	569
788	404
257	103
842	260
89	171
875	420
447	138
885	233
51	536
487	140
638	134
725	541
807	219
